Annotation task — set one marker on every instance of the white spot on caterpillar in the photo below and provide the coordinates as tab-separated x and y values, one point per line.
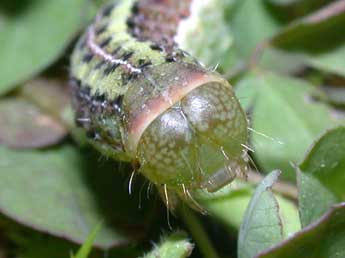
190	24
197	36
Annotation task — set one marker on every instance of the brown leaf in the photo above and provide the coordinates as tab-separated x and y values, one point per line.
24	125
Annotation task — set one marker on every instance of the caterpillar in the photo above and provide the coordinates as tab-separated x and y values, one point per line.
143	99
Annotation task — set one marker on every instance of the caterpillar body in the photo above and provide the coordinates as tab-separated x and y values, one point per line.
143	99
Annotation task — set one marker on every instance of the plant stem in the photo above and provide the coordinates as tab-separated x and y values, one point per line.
197	231
284	188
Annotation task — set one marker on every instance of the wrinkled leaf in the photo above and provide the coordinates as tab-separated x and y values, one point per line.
175	245
24	125
66	192
262	226
290	119
321	176
323	238
33	34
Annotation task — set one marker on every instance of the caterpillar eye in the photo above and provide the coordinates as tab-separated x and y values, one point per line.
191	143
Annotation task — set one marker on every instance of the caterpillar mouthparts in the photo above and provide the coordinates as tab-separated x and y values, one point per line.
142	99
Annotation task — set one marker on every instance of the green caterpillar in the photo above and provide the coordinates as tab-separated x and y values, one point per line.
142	99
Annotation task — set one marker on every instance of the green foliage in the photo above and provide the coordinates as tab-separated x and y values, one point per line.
246	33
291	120
229	204
33	35
321	176
324	238
262	226
56	191
316	38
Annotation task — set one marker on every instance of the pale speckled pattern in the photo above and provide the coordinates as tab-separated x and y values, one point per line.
207	123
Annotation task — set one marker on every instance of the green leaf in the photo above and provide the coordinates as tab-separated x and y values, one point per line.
65	192
290	119
313	199
86	248
326	161
228	205
321	176
281	61
289	216
316	38
33	34
248	16
323	238
246	91
175	245
24	125
262	226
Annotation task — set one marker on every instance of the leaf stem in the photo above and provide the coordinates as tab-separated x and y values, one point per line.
197	231
284	188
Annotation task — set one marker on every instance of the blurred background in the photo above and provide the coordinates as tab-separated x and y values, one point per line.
286	61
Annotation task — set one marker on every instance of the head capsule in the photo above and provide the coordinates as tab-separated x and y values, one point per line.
188	131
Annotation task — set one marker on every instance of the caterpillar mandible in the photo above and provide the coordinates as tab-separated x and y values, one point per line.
142	99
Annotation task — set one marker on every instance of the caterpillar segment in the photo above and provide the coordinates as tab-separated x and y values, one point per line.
142	99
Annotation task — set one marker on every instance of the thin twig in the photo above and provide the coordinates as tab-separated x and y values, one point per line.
284	188
197	231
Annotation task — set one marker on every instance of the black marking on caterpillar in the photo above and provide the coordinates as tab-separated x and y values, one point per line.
110	69
82	43
108	9
101	29
105	42
100	64
116	51
143	64
89	107
156	47
142	99
87	57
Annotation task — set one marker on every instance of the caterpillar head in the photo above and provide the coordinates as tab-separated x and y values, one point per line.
187	130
